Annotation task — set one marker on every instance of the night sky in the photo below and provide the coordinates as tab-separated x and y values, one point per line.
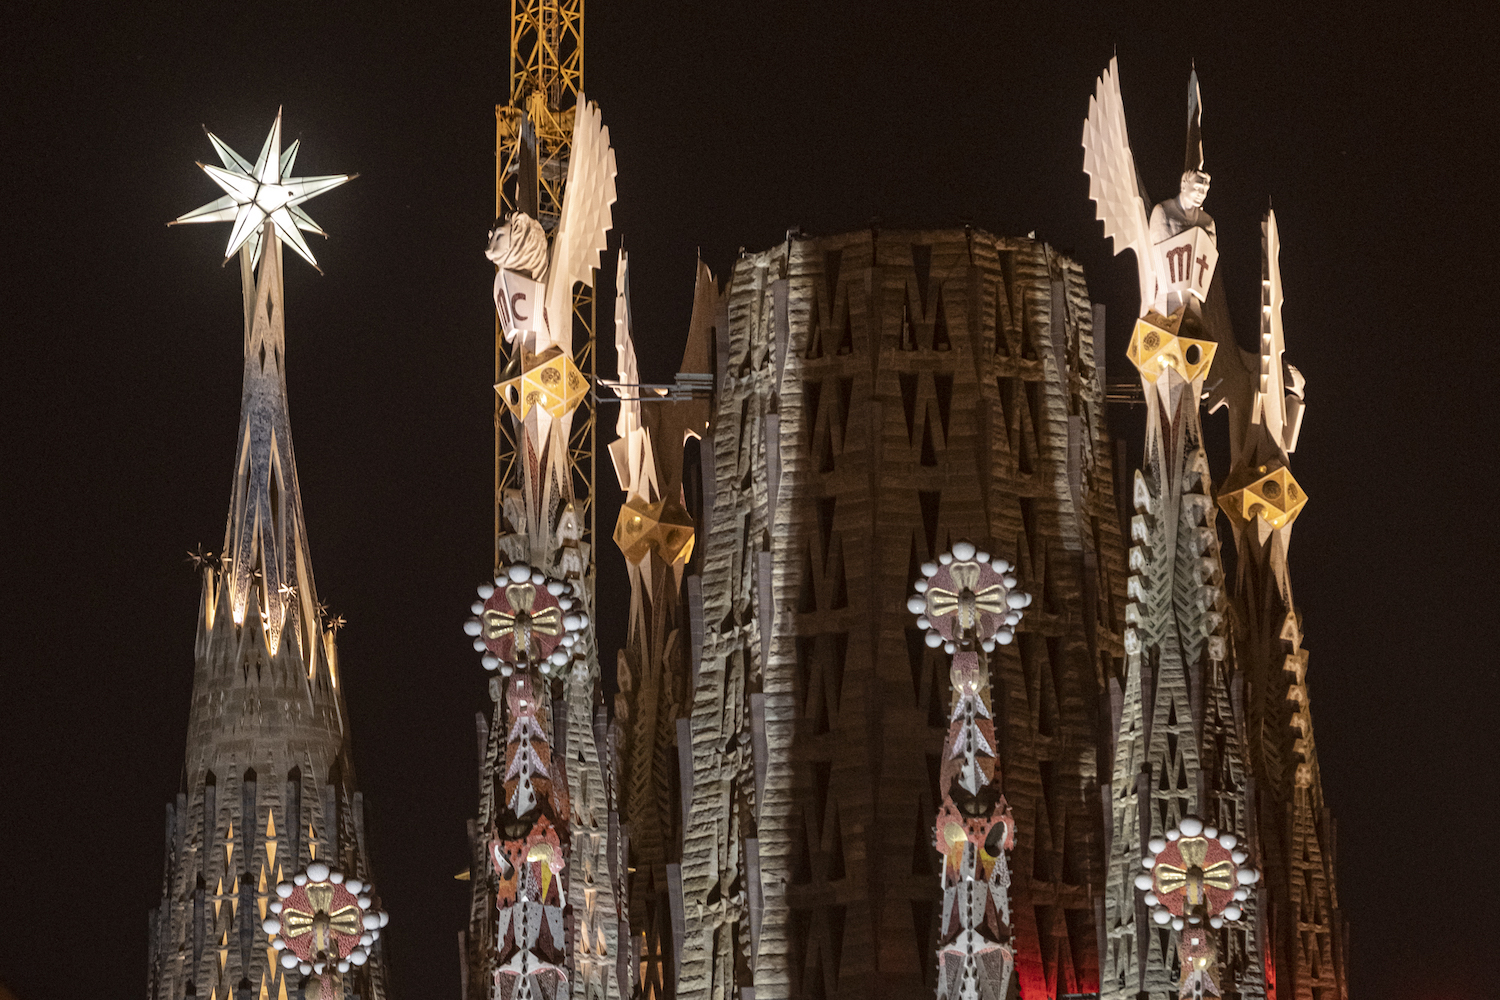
1374	137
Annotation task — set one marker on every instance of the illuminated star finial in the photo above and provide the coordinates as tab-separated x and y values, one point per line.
262	192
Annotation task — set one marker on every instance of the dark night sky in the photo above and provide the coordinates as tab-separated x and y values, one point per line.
1374	136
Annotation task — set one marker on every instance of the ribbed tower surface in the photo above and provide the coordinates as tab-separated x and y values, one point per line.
268	782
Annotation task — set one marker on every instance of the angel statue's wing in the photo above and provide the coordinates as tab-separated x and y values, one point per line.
1112	180
586	217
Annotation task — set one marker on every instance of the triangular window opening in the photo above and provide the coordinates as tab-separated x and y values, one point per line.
929	453
845	400
943	384
921	262
846	338
908	341
908	382
940	341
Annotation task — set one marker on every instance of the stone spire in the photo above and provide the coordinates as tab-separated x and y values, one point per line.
268	782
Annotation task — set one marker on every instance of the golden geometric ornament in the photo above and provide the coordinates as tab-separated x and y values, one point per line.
663	526
1275	496
553	382
1156	347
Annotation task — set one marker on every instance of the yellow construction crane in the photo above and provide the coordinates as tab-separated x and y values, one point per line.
533	132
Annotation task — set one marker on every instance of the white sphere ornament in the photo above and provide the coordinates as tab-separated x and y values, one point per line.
1015	600
950	647
275	906
300	878
1216	922
1161	916
1174	835
1151	899
1148	863
1143	881
336	878
364	902
1211	833
924	622
271	925
371	921
1242	894
556	587
538	577
1232	912
278	944
506	670
304	967
1178	923
519	573
572	622
385	918
1004	637
489	661
479	646
1228	840
983	557
1157	844
988	645
285	889
477	608
318	871
486	591
288	960
964	550
929	568
354	885
1245	875
367	938
559	657
934	640
1190	826
921	586
1000	565
343	965
946	559
1240	857
358	956
916	605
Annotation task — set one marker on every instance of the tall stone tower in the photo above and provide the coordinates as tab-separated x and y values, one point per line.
1300	920
268	781
879	397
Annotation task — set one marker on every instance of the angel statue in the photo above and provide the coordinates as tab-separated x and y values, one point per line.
1176	250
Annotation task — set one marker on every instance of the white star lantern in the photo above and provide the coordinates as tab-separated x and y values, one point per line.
262	193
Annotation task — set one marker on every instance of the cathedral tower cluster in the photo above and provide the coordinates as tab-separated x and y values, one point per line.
924	693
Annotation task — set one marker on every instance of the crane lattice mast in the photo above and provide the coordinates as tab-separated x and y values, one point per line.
546	76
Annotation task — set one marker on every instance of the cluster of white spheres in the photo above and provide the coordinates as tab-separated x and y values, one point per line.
1192	826
573	621
371	919
966	551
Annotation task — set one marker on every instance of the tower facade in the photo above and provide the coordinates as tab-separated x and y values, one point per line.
268	781
881	396
656	533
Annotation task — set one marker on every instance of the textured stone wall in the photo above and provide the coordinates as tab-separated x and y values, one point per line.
883	395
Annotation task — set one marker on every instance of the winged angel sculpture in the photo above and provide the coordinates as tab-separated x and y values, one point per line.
534	298
1176	248
531	276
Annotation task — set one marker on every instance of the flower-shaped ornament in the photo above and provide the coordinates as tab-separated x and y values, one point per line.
525	617
1195	873
967	598
322	921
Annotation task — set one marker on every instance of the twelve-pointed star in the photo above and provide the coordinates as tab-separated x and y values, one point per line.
262	192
